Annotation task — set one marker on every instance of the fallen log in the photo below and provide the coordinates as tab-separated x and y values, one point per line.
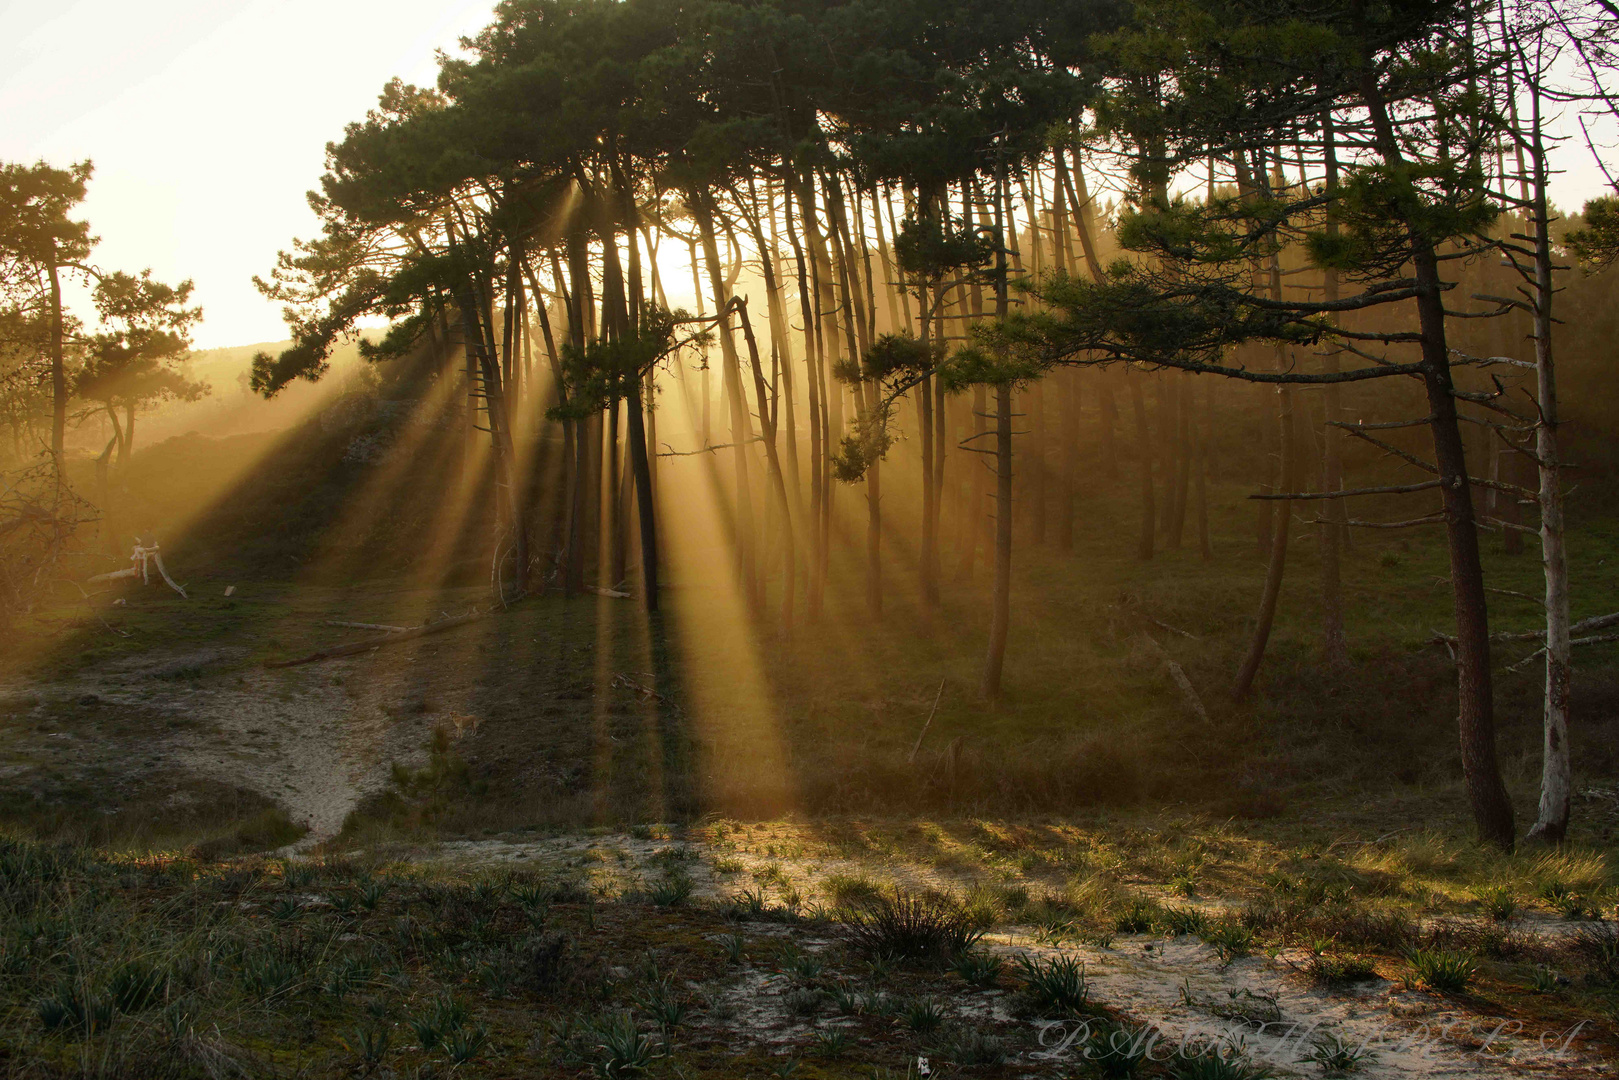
356	647
384	627
1194	704
1584	626
923	733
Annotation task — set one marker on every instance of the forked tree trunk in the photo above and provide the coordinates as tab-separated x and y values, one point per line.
778	484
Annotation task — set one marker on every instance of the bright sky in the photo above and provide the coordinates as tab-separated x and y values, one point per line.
208	119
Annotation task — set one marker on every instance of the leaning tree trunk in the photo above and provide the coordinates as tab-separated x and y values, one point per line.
1475	691
1277	561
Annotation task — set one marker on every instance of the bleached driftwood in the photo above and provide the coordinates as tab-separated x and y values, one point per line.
140	563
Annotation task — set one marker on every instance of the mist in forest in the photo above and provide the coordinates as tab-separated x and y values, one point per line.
899	494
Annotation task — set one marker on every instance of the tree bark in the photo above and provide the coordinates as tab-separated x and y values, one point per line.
1149	516
58	362
1492	808
1001	603
1334	646
1068	437
767	423
1277	561
1202	431
807	312
741	428
1556	775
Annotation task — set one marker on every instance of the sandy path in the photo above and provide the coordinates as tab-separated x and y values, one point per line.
1177	985
301	738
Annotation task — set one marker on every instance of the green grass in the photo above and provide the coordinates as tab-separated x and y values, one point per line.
1446	970
170	967
823	724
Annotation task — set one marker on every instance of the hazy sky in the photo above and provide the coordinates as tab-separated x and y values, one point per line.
207	122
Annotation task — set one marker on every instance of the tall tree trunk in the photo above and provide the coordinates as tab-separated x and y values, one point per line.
640	465
806	307
1277	561
741	428
880	198
1107	408
976	530
941	433
780	338
767	423
613	500
1035	453
827	350
1334	646
1556	775
1269	484
1149	516
705	392
58	363
856	335
1107	405
1068	449
1202	429
1492	808
1001	601
1181	396
573	581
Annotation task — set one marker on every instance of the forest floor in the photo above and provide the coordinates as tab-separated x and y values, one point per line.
714	800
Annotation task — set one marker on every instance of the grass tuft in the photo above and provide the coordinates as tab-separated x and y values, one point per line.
912	926
1449	971
1055	983
981	970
